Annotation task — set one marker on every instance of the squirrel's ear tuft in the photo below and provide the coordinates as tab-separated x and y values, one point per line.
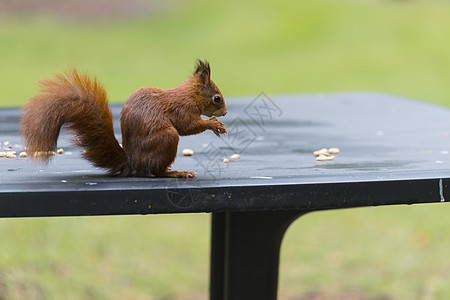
203	71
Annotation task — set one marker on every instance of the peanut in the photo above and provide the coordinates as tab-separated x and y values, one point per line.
324	157
235	156
322	151
334	150
188	152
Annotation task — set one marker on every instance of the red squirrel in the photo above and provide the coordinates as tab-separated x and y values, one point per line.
152	120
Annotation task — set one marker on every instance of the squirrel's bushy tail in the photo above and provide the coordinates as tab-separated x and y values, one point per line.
80	104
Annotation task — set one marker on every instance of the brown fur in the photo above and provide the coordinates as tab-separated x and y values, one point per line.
151	121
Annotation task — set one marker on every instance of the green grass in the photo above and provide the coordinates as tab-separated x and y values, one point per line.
400	252
104	257
399	47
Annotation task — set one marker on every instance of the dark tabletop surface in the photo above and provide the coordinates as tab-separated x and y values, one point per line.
393	151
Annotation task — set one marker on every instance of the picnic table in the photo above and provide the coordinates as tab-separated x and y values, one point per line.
393	150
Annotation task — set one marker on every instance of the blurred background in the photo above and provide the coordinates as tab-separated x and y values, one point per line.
277	47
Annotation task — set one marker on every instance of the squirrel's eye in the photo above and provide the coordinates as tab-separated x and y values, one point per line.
217	99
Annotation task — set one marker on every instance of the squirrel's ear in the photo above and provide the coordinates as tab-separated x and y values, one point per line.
203	71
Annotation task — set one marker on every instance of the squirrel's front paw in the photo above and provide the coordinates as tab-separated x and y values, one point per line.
218	128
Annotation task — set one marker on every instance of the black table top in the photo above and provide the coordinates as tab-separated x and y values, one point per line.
393	151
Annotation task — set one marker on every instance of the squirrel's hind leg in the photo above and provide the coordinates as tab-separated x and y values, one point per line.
157	154
177	174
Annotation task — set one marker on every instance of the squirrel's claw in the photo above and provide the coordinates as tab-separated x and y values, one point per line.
219	128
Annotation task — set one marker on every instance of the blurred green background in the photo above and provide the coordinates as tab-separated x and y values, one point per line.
398	47
276	47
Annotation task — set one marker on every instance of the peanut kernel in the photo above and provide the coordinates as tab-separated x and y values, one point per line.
334	150
322	151
188	152
324	157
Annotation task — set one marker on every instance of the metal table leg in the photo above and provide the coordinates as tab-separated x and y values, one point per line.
245	248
